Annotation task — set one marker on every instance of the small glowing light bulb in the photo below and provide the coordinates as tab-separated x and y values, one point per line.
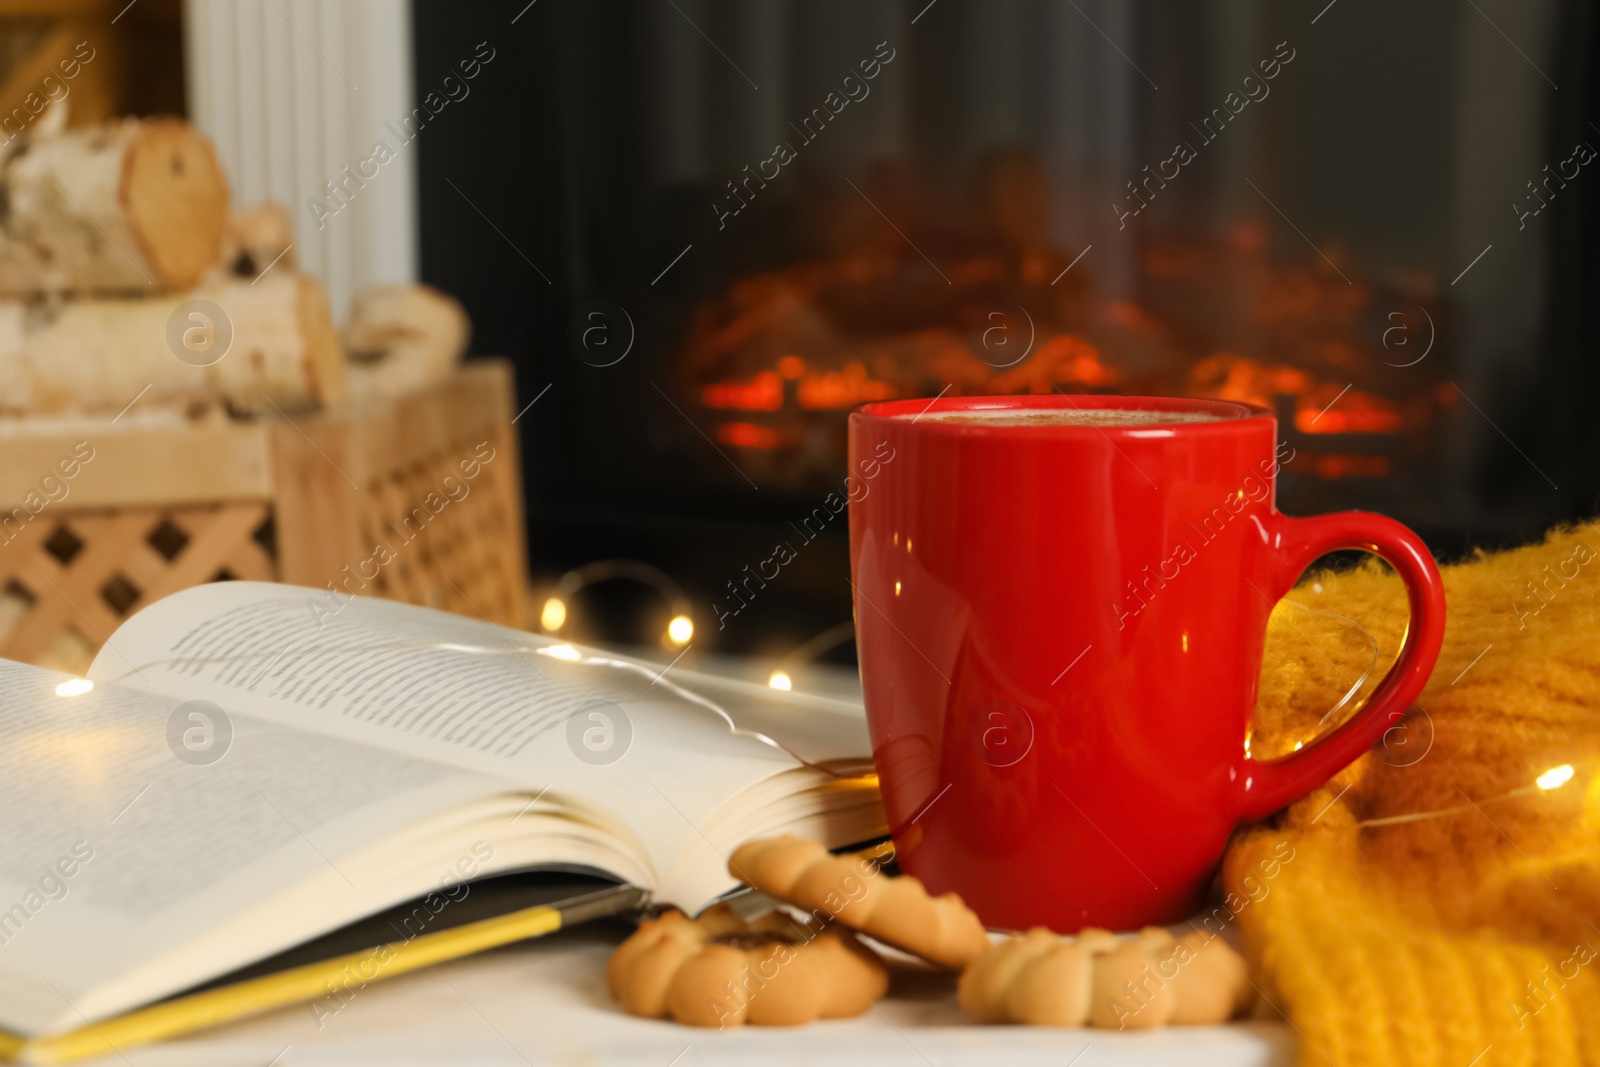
554	615
74	687
896	588
680	629
780	680
1554	778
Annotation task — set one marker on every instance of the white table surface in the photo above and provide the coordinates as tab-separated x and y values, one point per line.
545	1002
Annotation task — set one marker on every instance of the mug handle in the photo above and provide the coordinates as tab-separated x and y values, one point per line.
1268	785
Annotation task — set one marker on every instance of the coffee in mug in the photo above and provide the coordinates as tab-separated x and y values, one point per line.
1067	417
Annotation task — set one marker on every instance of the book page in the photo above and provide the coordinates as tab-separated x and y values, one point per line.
592	728
133	823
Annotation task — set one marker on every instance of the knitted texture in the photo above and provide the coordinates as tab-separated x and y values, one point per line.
1471	936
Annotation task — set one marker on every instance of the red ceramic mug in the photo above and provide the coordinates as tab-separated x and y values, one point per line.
1060	630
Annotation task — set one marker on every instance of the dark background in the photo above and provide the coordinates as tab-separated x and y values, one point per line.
561	149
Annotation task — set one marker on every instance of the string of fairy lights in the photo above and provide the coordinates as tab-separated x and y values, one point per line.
556	614
558	609
1547	782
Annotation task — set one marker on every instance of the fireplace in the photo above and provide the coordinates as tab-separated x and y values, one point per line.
707	230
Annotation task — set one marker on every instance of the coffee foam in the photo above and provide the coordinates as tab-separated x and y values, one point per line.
1103	417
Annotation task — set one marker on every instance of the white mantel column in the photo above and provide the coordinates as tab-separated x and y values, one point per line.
293	92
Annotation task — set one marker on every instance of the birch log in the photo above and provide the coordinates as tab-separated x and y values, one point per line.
257	239
132	206
403	338
278	347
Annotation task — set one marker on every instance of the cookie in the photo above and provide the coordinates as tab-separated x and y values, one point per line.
1099	980
1213	984
720	970
851	889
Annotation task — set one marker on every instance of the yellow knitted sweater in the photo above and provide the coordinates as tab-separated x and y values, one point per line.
1470	936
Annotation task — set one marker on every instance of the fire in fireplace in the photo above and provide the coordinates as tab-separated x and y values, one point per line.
913	298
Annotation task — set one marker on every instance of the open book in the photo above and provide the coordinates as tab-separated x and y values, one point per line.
258	765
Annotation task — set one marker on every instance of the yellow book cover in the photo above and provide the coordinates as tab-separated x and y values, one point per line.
324	978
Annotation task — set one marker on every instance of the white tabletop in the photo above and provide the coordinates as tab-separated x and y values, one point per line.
545	1002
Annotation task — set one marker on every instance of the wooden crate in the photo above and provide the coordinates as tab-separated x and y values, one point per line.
307	501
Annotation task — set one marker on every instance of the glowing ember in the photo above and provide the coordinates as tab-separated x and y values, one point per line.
842	389
764	392
748	435
1324	410
1226	376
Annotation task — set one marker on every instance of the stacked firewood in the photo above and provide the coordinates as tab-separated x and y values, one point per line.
123	276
